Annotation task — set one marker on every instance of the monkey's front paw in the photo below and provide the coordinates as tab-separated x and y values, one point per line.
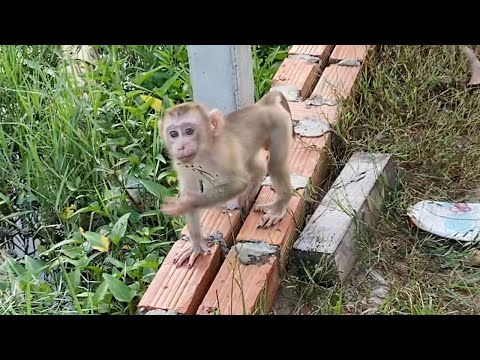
190	252
174	206
272	215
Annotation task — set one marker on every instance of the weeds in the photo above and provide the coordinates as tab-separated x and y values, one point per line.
83	172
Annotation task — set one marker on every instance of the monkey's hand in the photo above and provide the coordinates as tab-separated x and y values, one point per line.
174	206
191	250
179	205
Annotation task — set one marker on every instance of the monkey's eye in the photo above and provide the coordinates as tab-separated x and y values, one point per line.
173	133
189	131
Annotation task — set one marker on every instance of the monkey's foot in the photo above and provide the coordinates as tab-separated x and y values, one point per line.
190	252
273	215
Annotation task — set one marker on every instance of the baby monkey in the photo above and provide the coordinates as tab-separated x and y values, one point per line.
218	159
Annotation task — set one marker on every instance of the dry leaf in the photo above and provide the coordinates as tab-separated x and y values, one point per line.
155	103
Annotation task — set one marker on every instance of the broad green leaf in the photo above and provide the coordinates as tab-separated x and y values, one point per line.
148	264
135	287
168	83
70	185
118	155
146	75
161	158
134	111
103	308
74	252
148	170
134	159
165	174
133	93
61	243
14	266
148	275
115	262
100	292
74	277
119	290
118	230
133	272
93	207
154	188
150	261
134	216
97	241
33	266
80	263
139	239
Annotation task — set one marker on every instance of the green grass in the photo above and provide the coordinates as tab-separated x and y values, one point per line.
412	102
85	172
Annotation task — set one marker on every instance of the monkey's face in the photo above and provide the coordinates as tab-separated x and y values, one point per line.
188	131
183	139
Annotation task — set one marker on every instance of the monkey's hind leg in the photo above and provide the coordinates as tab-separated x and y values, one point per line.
276	210
257	169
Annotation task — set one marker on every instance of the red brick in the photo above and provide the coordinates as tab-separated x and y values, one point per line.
301	110
352	52
283	233
219	219
182	289
300	73
240	289
321	51
337	82
309	157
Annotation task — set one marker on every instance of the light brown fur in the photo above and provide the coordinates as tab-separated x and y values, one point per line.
218	158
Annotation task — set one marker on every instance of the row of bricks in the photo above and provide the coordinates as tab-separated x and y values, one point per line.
305	64
247	289
238	288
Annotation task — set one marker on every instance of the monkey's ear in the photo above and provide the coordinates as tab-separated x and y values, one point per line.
216	120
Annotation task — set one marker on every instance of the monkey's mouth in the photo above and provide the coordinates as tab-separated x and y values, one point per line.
186	158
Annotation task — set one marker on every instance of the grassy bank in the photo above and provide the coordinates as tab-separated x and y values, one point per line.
412	103
84	171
